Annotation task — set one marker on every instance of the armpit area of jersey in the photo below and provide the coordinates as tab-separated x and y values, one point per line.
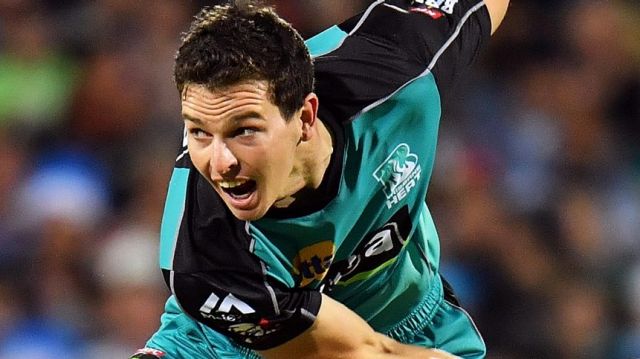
257	315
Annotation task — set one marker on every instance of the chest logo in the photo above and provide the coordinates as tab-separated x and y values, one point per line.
312	262
398	174
375	251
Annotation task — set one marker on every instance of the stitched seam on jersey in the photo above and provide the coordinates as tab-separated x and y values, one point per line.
432	64
424	256
272	293
355	28
171	282
364	17
307	314
421	316
455	34
475	328
252	245
397	8
175	241
421	220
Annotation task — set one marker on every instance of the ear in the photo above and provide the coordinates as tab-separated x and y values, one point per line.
309	116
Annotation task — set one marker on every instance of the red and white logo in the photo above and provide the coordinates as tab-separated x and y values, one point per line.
150	351
432	12
434	8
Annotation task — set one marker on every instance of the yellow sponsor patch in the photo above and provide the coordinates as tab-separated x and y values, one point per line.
312	262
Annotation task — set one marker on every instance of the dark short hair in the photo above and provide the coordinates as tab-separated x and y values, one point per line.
228	44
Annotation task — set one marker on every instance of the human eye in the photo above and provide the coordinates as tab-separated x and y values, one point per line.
198	133
245	131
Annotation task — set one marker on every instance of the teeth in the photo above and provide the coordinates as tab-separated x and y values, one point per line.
231	184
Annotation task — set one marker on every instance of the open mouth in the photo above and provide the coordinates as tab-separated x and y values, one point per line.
240	189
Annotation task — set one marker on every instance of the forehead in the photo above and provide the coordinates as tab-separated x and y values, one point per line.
199	101
252	86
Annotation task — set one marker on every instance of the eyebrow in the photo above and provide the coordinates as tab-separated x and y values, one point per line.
197	121
236	118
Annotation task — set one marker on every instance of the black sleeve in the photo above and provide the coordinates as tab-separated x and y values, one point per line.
253	313
218	281
393	42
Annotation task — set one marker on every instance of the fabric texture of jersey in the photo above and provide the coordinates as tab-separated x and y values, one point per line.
369	240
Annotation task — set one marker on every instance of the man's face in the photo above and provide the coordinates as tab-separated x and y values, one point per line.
239	141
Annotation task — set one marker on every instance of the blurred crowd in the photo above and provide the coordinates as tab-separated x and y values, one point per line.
536	190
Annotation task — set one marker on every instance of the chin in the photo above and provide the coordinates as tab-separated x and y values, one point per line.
252	215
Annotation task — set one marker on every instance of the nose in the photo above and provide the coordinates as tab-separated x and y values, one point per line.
223	161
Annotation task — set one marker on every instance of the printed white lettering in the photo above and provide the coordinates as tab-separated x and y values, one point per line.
228	303
448	6
380	243
211	302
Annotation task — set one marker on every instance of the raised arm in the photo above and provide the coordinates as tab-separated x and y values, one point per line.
338	332
497	10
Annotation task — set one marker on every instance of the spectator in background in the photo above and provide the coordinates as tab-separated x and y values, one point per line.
37	79
59	205
627	340
131	292
126	83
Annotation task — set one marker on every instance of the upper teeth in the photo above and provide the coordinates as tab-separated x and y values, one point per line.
231	184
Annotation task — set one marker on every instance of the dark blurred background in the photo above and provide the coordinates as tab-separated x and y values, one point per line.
536	191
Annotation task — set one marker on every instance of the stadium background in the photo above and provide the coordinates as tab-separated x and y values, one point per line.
536	191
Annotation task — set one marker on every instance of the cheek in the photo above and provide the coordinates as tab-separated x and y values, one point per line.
284	154
281	149
274	162
276	166
196	157
199	160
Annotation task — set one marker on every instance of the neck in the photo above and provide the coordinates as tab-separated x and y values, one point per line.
312	160
320	155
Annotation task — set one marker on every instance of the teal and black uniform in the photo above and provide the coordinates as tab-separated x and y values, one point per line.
368	239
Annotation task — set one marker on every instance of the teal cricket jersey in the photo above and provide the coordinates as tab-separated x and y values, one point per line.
368	239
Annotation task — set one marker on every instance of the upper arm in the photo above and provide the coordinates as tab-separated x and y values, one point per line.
497	10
